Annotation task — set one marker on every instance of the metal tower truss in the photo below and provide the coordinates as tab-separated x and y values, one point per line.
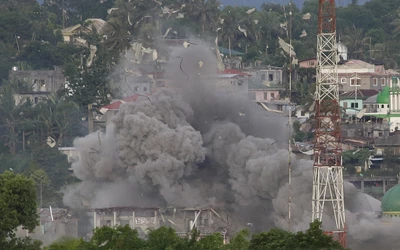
328	169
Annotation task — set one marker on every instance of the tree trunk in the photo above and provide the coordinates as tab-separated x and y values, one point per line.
41	194
229	47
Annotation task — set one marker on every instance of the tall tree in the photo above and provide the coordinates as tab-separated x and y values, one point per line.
17	208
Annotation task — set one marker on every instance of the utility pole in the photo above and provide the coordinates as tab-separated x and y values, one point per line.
290	121
328	168
90	118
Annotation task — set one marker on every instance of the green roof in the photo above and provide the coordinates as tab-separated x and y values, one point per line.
391	200
383	96
225	51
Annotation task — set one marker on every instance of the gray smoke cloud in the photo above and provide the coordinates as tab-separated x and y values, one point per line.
196	145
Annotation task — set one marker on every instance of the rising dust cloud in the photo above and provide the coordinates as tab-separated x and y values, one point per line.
191	146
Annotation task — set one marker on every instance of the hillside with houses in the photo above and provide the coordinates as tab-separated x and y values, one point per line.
67	68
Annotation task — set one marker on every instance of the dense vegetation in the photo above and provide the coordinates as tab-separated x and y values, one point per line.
166	238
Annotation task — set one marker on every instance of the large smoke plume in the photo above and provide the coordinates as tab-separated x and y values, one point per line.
194	145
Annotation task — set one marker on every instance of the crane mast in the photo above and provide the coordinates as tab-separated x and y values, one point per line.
327	193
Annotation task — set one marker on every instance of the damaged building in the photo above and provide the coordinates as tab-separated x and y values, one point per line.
54	223
183	220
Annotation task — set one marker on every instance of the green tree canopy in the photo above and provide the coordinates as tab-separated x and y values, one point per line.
17	208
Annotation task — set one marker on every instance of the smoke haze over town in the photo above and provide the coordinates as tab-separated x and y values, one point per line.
194	146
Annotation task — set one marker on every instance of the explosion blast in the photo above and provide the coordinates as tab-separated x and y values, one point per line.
195	145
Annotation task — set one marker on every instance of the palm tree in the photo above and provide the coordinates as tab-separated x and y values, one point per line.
354	38
229	20
117	36
270	28
206	11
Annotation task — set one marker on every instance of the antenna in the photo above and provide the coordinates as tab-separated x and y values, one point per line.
290	121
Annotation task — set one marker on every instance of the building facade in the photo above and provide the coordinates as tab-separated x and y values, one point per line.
38	84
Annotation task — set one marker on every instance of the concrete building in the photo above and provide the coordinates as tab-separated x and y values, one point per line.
264	93
268	76
387	106
106	113
71	153
73	32
356	74
352	101
375	186
138	84
54	223
235	83
308	63
38	84
183	220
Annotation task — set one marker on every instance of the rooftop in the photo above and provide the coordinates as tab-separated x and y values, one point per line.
259	86
391	201
115	105
361	94
383	97
225	51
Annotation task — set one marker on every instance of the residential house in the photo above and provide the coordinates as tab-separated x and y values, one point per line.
308	63
38	84
388	143
71	33
107	112
352	102
356	74
137	85
268	76
234	83
232	59
264	93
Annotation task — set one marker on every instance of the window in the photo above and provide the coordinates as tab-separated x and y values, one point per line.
343	80
383	82
354	105
345	105
382	106
36	100
270	77
355	81
144	88
311	63
272	96
303	113
265	95
365	106
136	88
375	81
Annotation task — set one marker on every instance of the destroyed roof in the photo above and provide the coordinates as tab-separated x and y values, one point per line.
234	71
115	105
95	23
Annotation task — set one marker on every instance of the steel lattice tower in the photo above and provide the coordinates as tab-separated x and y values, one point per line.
328	169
